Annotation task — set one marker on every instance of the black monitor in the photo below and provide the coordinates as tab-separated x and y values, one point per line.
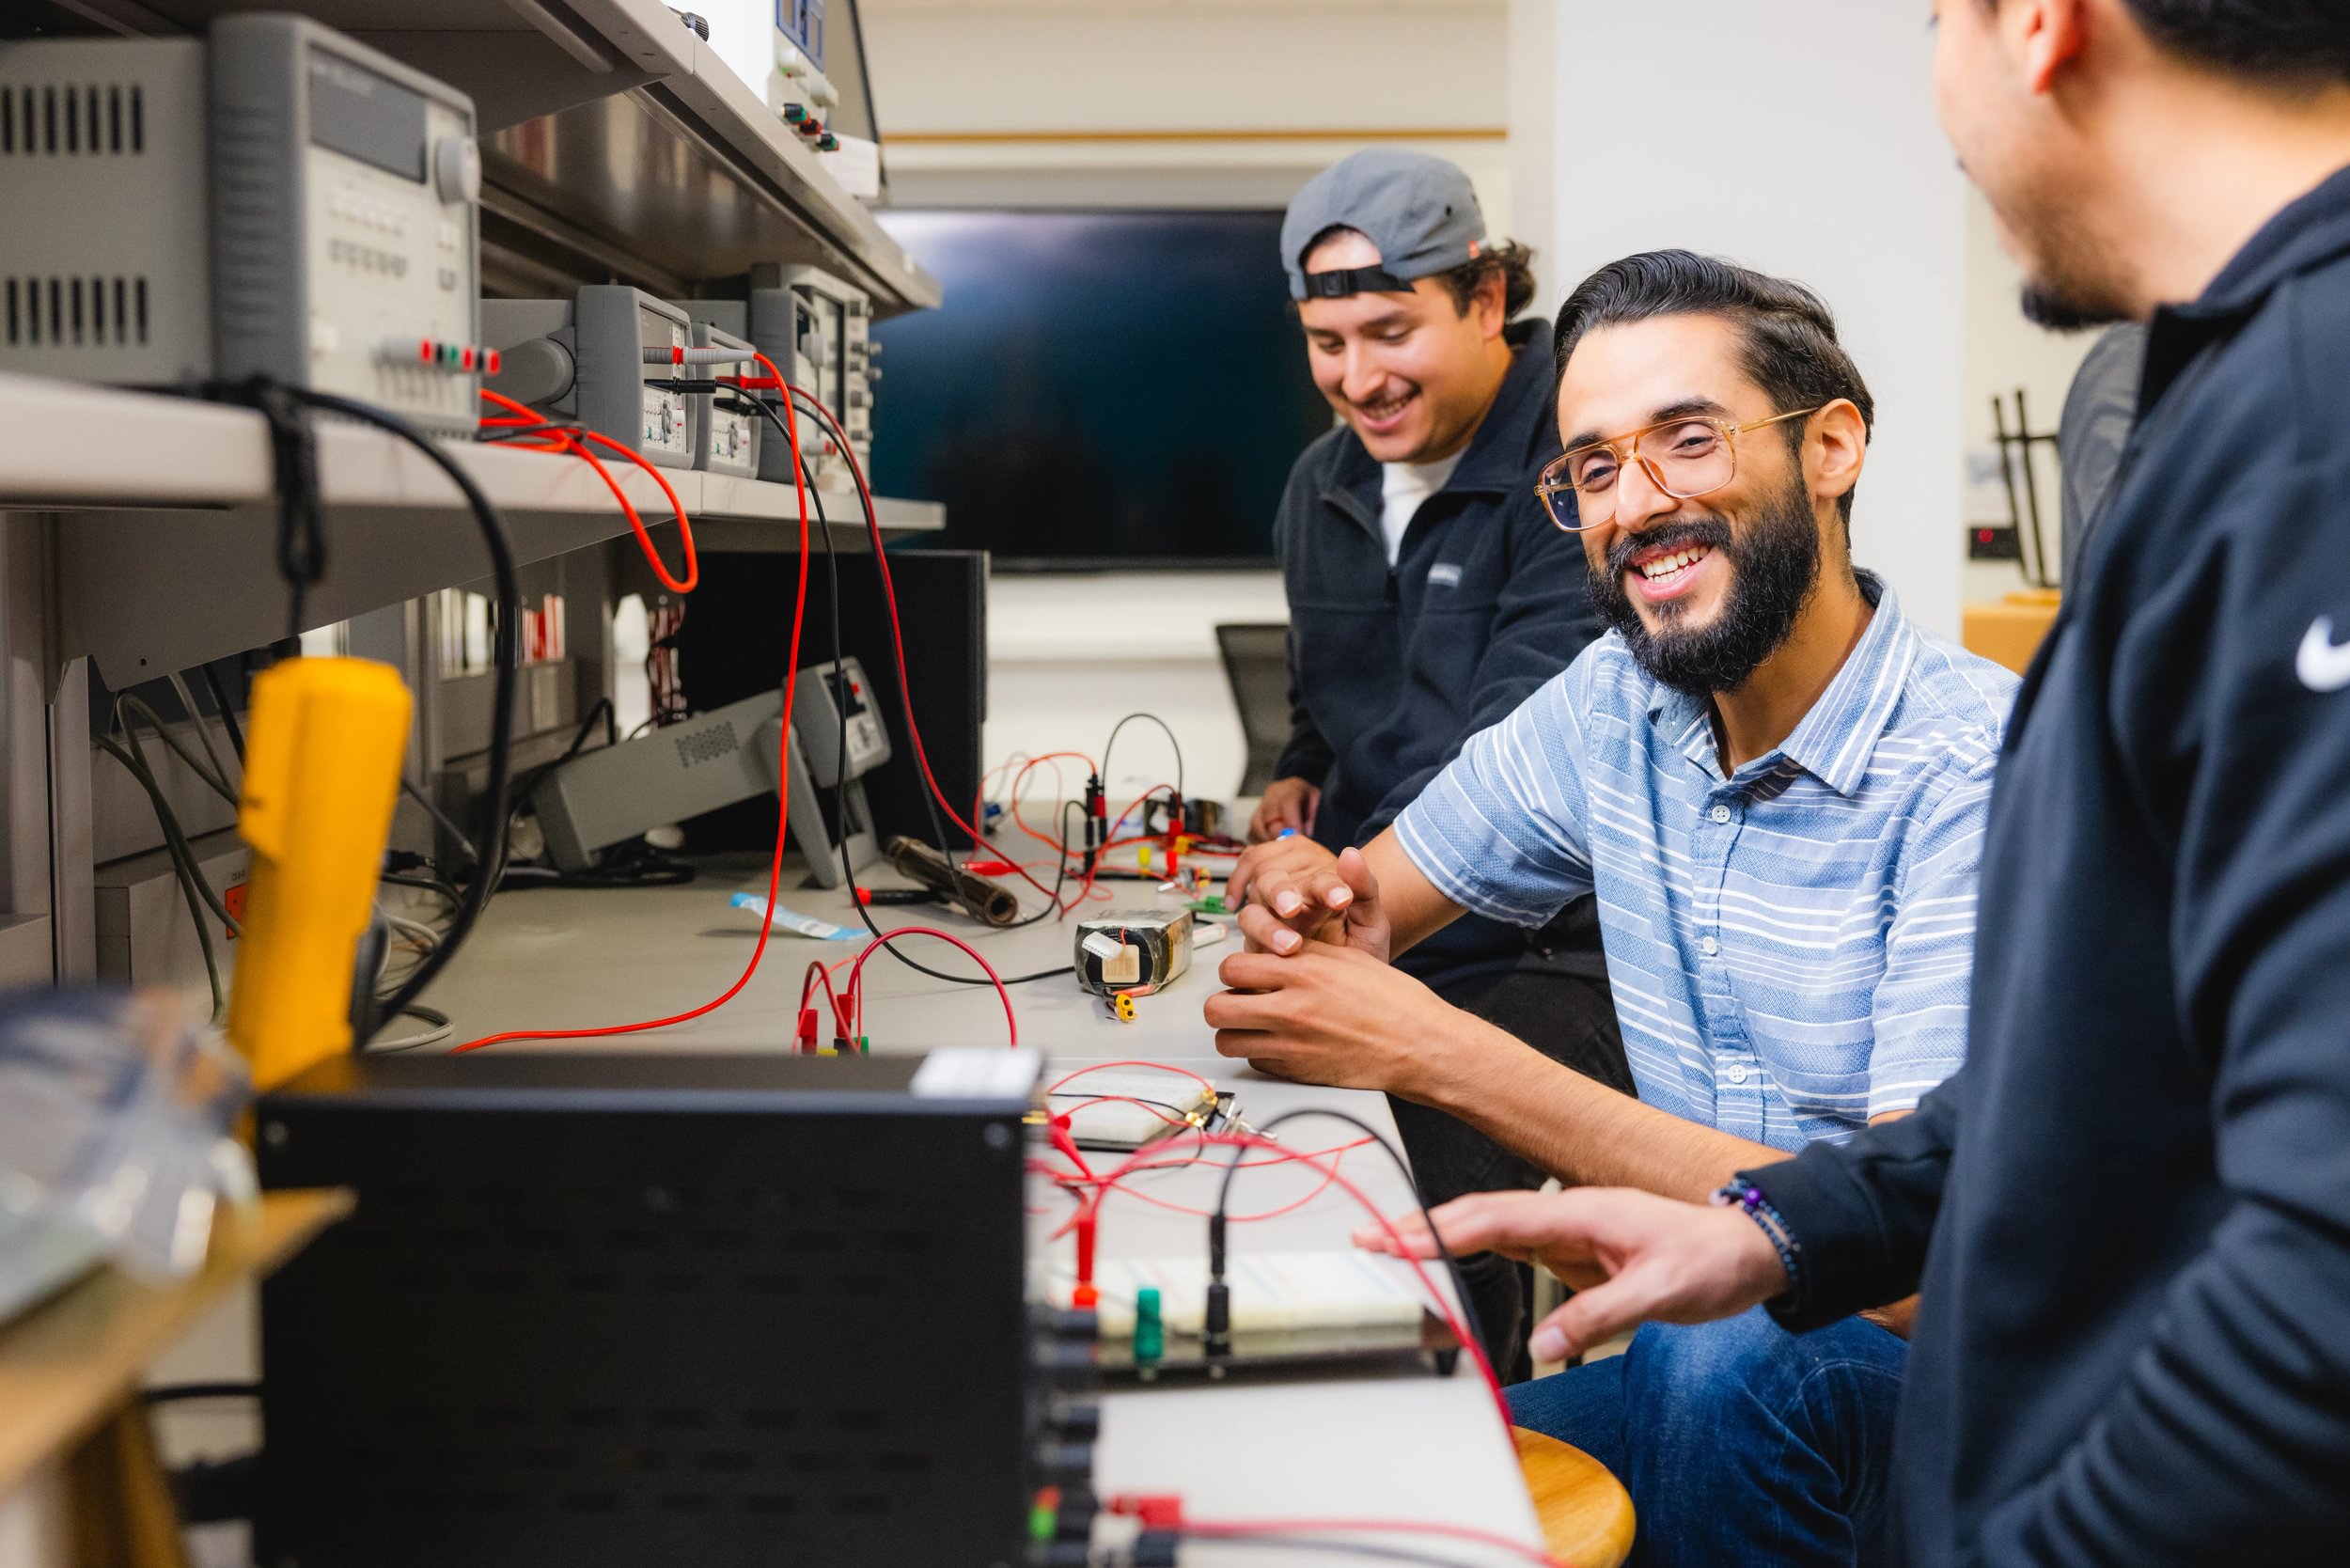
1122	389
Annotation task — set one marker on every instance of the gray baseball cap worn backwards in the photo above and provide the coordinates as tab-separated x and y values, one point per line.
1420	211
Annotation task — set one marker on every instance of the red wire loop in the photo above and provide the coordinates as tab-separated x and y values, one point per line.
1143	1159
856	973
558	438
783	816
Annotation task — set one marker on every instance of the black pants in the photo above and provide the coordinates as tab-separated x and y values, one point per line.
1551	1000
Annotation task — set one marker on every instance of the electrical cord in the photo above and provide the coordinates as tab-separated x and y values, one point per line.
856	975
228	709
507	659
529	783
447	823
1060	871
636	864
774	865
175	1393
1217	1221
295	464
1172	741
744	402
1217	1337
416	931
600	708
203	730
217	782
826	418
437	1029
191	886
832	572
186	869
175	836
523	423
430	884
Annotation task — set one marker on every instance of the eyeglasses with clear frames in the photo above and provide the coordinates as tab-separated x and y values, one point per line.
1684	458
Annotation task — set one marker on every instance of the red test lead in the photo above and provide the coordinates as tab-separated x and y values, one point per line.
783	820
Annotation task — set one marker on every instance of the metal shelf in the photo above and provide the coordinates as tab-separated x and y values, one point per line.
617	145
165	545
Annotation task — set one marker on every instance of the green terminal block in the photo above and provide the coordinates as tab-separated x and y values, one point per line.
1150	1329
1211	905
865	1045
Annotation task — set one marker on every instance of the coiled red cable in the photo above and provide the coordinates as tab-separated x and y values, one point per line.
783	813
564	438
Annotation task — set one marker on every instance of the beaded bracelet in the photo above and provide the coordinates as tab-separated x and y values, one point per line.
1774	1225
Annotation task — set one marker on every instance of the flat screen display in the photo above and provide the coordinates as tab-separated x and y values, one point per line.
361	115
1099	387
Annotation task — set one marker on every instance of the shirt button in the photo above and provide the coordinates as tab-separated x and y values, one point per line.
1710	946
1721	813
1736	1074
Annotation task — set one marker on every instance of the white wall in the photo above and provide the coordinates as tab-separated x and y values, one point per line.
1069	655
1163	103
2004	353
1532	51
1801	140
1177	103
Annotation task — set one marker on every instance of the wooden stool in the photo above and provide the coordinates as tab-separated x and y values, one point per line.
1586	1513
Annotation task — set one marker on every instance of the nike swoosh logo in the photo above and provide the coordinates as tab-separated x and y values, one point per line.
2320	665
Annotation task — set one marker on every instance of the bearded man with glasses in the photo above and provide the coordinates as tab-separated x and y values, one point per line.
1777	786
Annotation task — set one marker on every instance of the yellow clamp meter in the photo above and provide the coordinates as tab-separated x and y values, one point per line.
321	775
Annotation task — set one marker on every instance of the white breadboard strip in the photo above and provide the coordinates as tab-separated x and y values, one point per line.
1271	1291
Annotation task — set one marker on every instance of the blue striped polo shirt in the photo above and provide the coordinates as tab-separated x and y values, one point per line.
1789	945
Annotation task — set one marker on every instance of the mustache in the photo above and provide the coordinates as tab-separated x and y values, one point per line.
1711	531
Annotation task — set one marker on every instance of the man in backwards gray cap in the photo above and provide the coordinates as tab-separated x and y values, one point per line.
1429	596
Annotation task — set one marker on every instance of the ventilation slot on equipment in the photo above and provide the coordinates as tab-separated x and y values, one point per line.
707	745
74	312
74	121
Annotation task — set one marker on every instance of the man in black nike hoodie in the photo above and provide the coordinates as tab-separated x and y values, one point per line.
2129	1213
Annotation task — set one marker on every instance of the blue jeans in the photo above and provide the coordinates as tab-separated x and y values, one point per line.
1740	1442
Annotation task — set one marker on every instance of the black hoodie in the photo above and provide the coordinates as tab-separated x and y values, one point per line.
1392	668
2130	1212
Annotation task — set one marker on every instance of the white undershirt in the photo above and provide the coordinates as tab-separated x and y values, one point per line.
1403	487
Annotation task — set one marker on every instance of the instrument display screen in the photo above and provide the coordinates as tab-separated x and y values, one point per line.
364	116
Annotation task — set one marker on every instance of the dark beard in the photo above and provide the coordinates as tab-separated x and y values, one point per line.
1773	570
2045	305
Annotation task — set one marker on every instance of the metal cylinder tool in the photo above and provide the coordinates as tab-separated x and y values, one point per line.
988	903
